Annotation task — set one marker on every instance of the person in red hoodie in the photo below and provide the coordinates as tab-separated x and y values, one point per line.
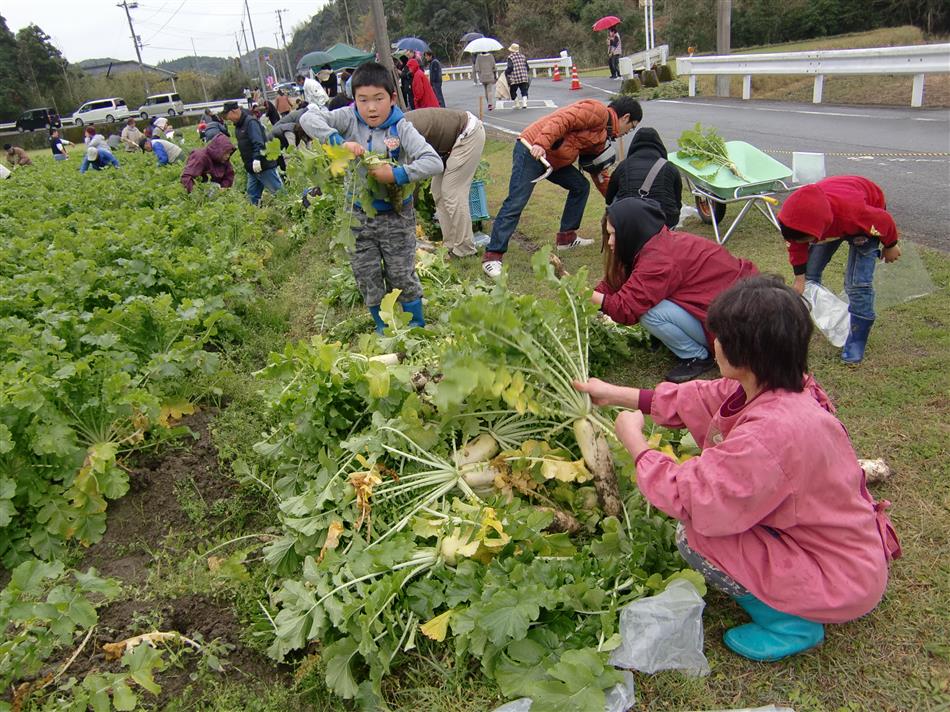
816	219
213	162
665	281
422	94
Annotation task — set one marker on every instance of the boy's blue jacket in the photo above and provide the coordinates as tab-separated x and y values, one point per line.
396	138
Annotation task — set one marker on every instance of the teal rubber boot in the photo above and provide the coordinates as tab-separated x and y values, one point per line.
380	324
853	351
415	309
772	635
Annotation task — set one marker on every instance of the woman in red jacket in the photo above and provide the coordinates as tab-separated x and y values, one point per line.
665	281
422	94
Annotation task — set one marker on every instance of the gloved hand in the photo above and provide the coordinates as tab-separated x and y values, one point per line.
256	166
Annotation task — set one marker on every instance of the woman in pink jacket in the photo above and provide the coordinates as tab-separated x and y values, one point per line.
775	511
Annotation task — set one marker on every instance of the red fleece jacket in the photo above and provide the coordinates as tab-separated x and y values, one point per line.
687	269
841	206
422	93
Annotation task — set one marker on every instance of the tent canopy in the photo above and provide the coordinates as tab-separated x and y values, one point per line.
346	56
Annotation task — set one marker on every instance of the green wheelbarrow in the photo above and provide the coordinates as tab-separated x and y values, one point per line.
715	187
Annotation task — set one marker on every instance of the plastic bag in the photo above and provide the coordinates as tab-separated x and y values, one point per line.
767	708
903	280
829	313
663	632
620	698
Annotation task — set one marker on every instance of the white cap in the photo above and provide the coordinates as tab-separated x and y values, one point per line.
92	153
515	47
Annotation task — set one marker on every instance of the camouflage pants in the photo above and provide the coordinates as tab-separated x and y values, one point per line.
718	579
384	257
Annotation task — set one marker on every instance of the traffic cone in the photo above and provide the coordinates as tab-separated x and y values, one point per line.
575	82
557	74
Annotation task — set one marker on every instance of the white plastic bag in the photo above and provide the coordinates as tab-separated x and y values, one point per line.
663	632
619	698
4	172
829	313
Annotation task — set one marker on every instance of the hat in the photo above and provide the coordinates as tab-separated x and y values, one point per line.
229	106
161	122
92	153
515	47
324	74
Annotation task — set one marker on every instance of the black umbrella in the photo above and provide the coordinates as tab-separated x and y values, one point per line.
468	37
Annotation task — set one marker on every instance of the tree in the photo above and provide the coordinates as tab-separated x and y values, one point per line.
11	94
42	62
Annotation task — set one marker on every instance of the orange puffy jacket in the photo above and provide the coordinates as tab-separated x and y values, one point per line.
575	129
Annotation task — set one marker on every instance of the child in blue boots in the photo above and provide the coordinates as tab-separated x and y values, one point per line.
383	258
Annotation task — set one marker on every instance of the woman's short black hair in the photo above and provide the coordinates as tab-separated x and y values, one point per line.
763	325
373	74
627	105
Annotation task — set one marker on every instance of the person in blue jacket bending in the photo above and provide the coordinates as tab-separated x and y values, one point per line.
98	158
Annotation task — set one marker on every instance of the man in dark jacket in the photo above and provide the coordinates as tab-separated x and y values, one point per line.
435	76
646	149
211	163
261	173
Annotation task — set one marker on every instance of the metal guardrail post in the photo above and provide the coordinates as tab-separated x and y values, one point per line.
917	94
747	87
818	89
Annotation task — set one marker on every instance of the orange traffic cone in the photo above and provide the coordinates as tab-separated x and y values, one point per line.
575	82
557	74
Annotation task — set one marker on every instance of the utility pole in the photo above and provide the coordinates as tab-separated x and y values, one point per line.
237	41
723	41
280	21
247	47
136	40
382	44
257	55
204	89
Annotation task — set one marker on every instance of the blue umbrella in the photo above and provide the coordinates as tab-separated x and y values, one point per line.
412	44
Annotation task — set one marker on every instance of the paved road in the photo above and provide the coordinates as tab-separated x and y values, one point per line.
906	151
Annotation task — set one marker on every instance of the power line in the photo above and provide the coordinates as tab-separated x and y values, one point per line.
136	40
169	20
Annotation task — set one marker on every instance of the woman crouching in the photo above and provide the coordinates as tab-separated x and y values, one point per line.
775	511
665	281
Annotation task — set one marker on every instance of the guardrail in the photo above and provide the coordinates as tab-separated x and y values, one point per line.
643	60
918	60
467	72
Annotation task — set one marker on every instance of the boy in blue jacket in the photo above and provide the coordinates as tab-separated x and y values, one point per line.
383	258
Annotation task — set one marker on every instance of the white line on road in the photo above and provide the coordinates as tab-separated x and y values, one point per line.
763	108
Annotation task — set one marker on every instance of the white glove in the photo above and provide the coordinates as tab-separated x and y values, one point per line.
256	166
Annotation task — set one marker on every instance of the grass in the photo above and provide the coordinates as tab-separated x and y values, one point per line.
895	405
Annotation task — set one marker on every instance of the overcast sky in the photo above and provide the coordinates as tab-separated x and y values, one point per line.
83	29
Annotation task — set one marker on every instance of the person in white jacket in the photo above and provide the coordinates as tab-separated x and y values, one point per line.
313	93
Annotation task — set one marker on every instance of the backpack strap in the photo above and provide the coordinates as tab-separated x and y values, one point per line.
651	176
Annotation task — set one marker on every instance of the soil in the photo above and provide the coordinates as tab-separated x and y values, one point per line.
194	616
141	521
150	518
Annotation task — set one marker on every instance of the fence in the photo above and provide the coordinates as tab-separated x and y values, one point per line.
548	65
918	60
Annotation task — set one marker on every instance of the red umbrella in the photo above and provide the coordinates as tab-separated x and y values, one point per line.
605	23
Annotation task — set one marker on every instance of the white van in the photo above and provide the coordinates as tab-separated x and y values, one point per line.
160	105
100	110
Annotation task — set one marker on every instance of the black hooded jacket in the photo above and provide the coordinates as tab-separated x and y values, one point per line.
626	180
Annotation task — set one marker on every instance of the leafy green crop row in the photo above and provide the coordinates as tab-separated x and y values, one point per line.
114	288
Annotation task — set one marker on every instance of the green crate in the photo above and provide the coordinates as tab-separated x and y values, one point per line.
478	201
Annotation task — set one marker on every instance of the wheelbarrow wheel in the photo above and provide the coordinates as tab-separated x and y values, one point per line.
706	208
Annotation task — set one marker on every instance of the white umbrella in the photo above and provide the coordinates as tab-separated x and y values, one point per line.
483	44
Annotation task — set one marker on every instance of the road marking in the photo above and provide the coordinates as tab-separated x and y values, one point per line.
605	91
873	154
764	108
502	129
537	104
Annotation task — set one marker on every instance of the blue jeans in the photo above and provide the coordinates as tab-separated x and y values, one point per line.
256	182
858	274
525	169
60	156
680	331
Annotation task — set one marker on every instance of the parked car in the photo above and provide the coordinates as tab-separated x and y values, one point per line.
108	110
160	105
45	118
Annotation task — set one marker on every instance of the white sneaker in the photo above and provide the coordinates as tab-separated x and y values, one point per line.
578	242
492	269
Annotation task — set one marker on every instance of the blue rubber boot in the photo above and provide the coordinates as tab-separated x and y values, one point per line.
380	324
772	635
415	308
853	350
